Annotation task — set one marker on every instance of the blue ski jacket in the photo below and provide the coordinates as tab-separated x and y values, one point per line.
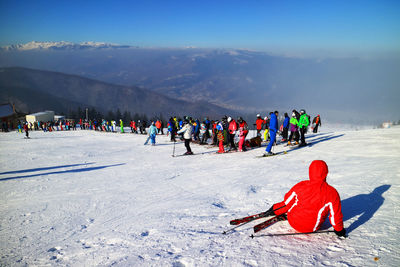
286	122
152	130
273	124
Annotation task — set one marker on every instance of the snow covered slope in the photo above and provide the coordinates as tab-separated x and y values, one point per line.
87	198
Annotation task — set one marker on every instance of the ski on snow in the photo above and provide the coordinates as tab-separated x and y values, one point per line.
272	155
267	223
248	218
258	227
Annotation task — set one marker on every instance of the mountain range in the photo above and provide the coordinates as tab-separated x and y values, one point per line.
60	46
341	89
36	90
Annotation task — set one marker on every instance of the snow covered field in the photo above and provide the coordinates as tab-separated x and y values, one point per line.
87	198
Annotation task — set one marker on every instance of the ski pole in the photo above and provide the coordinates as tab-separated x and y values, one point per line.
284	234
233	228
173	151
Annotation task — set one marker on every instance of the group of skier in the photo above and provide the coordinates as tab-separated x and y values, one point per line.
223	132
49	126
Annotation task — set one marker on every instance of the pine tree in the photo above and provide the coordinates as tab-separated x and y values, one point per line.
118	115
136	117
126	117
110	115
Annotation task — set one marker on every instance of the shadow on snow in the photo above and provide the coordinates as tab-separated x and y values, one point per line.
363	205
323	139
61	172
45	168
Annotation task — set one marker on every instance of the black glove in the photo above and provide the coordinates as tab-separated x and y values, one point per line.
341	233
269	212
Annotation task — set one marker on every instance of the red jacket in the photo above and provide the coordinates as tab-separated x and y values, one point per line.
244	128
308	203
232	127
259	123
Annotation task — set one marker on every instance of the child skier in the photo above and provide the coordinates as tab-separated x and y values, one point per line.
220	136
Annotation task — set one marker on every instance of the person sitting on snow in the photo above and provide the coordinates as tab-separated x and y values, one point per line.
308	203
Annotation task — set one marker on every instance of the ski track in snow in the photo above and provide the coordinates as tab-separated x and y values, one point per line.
87	198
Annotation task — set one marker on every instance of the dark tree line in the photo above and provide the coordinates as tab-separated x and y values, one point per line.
126	116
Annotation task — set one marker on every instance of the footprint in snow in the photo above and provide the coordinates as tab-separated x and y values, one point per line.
145	233
219	204
178	264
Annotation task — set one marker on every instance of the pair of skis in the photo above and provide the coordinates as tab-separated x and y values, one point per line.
258	227
261	226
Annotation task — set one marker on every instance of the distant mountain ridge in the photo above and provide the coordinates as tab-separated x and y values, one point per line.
36	90
34	45
352	89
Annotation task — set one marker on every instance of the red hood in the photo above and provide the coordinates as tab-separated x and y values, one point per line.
318	171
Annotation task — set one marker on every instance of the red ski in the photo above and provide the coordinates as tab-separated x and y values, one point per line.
249	218
269	222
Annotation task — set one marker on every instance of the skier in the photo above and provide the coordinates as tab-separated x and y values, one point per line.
232	128
266	128
131	125
158	126
303	125
220	136
187	135
121	124
273	129
316	122
308	203
285	127
196	130
214	133
225	126
243	131
294	128
205	130
258	124
26	129
152	133
172	129
162	127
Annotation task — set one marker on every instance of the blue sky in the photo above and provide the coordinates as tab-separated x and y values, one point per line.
284	26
